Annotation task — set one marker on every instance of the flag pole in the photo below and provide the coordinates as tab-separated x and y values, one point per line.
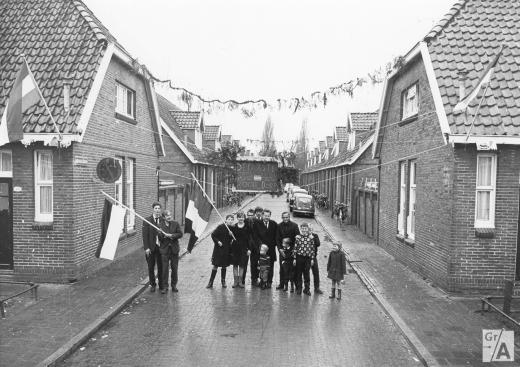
132	211
43	99
214	207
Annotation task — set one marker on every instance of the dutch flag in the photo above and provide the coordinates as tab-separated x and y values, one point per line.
112	222
197	215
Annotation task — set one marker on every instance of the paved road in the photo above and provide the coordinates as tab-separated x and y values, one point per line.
227	327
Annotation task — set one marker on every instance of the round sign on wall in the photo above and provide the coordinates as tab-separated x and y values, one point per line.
108	170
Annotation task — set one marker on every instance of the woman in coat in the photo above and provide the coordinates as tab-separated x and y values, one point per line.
222	238
240	249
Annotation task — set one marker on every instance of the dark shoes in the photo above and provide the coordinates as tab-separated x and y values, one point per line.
318	291
298	291
174	289
279	287
307	292
152	289
210	285
333	293
339	294
163	291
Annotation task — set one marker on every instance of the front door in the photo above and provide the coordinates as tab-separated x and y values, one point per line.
6	223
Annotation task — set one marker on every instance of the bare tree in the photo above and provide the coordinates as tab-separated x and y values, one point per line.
268	142
302	146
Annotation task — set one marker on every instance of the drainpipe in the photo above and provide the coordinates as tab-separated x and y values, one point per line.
378	197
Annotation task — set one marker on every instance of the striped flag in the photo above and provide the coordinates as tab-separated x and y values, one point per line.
112	222
24	95
197	215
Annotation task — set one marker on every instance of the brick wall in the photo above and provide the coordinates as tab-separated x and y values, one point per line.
107	136
429	256
482	264
42	252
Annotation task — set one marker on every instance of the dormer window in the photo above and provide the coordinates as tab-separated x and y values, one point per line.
410	101
125	101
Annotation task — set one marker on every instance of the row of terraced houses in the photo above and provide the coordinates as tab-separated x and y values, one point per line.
105	104
434	177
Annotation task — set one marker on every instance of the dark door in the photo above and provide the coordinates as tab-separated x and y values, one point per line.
6	223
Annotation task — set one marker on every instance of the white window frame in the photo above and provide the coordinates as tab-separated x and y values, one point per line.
490	223
412	199
402	199
410	101
122	101
130	198
38	183
118	185
3	171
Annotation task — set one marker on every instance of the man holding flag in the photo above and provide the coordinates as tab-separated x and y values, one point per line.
151	245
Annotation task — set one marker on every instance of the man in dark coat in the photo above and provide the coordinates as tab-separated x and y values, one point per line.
249	223
286	229
151	246
255	249
169	250
264	233
314	268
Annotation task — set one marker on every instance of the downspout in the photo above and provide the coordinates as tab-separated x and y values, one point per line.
378	197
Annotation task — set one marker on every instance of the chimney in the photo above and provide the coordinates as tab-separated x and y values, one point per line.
66	93
463	75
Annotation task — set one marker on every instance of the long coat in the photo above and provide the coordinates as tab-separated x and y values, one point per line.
287	230
221	254
336	265
242	244
266	235
173	228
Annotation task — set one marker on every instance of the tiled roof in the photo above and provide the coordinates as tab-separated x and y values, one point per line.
341	133
165	111
60	39
187	119
330	141
211	132
363	120
342	157
468	39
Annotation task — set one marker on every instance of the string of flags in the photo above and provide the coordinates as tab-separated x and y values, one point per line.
317	99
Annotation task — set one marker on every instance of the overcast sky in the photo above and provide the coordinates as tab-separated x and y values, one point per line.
270	49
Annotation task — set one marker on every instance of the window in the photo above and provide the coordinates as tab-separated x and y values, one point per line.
130	202
118	185
402	199
43	186
6	164
125	101
485	191
411	202
410	102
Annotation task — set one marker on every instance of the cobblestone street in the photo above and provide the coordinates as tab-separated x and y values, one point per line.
228	327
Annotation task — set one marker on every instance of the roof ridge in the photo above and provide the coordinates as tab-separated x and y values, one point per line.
99	30
448	17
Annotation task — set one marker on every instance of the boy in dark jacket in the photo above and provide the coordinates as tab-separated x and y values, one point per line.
336	268
286	265
264	264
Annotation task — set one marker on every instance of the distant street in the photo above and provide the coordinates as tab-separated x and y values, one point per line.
228	327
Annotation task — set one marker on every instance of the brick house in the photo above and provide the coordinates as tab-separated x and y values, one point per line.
104	105
257	173
183	156
346	174
448	143
212	137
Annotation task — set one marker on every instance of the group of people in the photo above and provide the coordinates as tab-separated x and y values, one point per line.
258	240
254	239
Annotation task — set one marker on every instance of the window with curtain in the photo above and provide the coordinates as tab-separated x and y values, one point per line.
411	201
410	101
43	186
130	196
402	199
6	164
125	101
485	191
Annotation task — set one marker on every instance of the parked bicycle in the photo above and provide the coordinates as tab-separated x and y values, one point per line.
322	201
340	213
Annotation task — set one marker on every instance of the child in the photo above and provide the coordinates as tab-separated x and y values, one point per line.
336	268
264	262
286	259
304	253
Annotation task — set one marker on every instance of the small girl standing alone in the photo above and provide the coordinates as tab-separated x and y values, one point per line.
336	268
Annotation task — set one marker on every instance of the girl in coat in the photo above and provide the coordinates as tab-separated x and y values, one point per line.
222	239
240	249
336	268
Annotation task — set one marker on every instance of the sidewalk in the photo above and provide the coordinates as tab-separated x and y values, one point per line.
444	330
47	330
